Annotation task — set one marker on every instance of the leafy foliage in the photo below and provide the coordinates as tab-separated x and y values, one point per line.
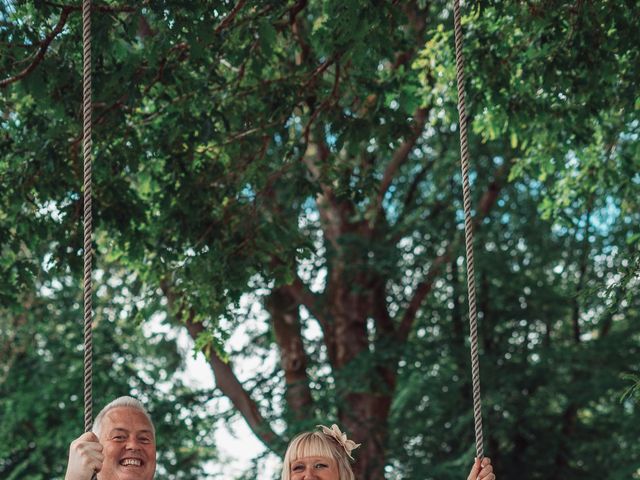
41	390
289	170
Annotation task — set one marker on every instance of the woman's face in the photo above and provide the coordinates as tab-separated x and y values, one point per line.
314	468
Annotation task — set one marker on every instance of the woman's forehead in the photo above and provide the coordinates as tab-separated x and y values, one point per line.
311	447
314	458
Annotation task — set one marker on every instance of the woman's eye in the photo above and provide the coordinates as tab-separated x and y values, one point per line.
297	468
321	465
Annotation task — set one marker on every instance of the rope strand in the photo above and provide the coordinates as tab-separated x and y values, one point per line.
86	145
468	232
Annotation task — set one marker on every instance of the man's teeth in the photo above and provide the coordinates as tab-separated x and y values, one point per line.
131	461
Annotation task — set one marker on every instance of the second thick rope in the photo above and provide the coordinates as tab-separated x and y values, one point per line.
468	232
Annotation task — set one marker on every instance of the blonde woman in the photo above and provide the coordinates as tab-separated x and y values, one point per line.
319	455
325	455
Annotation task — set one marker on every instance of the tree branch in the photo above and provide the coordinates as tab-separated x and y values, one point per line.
229	18
10	348
401	155
231	387
226	380
44	46
316	152
582	273
418	22
422	290
380	310
413	188
485	204
305	297
296	29
490	196
285	318
64	15
296	9
100	8
319	70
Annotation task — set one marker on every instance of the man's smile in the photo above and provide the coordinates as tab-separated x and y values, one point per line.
131	462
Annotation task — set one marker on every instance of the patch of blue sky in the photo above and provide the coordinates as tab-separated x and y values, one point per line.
330	138
10	119
605	218
9	16
293	121
52	210
248	192
309	206
389	206
631	135
8	13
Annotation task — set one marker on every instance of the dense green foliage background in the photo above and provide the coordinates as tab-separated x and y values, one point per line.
302	155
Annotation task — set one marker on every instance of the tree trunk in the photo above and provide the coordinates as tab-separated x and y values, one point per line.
285	318
366	423
584	259
569	419
363	413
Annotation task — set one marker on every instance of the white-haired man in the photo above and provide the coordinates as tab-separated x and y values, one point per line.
122	445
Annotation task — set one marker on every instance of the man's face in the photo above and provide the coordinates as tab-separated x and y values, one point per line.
129	445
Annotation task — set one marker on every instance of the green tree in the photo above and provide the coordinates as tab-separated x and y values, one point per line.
41	397
306	152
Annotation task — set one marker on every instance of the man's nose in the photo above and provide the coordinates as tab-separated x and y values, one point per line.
132	444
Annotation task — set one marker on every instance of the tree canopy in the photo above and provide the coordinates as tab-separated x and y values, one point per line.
290	168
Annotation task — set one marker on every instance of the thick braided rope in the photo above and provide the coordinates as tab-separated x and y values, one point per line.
468	232
87	288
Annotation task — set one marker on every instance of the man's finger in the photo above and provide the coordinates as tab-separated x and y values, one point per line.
97	465
87	440
88	437
87	448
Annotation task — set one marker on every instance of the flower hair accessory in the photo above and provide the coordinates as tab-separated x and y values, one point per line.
335	433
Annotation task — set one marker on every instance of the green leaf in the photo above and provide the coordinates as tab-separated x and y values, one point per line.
267	36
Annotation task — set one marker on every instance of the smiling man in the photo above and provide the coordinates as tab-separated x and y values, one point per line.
122	445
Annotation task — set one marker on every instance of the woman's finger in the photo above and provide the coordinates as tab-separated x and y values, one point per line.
486	473
475	469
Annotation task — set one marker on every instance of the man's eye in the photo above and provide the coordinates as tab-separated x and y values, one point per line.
145	440
119	438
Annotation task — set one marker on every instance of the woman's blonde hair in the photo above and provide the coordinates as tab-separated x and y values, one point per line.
316	444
